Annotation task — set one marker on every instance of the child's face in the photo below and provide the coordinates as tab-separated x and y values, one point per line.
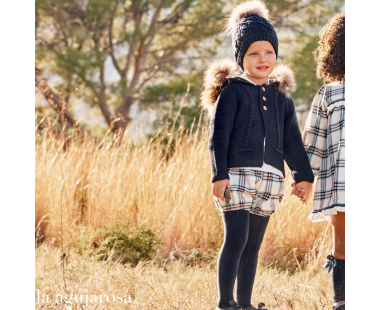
259	61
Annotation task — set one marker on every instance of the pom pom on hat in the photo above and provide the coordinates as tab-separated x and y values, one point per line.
255	7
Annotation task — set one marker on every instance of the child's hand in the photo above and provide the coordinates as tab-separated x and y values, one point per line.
219	187
302	190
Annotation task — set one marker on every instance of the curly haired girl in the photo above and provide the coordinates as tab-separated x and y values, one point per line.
324	142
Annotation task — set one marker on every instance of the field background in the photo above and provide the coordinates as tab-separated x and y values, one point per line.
136	184
123	201
82	189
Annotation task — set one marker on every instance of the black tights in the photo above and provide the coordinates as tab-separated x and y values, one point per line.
243	234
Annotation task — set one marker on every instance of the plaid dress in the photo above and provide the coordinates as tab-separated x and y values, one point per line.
324	142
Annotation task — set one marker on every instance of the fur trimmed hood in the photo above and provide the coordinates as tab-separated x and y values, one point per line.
220	70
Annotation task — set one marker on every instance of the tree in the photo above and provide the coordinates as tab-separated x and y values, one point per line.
155	47
304	65
54	100
145	40
166	97
302	19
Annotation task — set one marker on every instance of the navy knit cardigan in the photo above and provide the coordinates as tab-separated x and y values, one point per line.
243	115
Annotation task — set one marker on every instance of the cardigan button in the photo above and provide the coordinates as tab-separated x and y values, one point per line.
265	108
265	99
263	88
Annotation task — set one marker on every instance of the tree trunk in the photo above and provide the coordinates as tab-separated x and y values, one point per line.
121	119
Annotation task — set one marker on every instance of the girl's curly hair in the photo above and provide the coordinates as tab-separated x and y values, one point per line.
331	64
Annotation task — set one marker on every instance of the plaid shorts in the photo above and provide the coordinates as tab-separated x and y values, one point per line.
260	192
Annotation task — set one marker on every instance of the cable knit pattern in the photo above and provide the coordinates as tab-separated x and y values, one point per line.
250	120
278	149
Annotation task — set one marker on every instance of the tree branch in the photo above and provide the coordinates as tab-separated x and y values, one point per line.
100	98
114	61
54	100
172	17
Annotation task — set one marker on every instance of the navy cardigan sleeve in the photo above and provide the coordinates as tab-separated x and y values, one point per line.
294	152
221	125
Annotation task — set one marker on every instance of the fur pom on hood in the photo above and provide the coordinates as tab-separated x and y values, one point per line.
214	77
220	70
255	7
284	79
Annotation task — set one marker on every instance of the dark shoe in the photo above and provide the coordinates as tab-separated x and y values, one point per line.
233	304
338	305
261	306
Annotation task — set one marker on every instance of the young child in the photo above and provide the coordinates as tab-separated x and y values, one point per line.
324	141
253	128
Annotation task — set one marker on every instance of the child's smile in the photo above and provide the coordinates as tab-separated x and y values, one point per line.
262	68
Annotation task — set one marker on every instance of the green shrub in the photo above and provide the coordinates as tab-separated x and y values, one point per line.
126	243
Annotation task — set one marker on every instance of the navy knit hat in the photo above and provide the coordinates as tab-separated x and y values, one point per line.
248	23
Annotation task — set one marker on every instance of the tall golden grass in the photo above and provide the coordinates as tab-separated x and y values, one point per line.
94	184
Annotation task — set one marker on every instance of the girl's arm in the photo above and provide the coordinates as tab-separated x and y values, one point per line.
221	125
294	153
315	131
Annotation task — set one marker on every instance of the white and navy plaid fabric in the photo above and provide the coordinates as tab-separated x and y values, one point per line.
260	192
324	142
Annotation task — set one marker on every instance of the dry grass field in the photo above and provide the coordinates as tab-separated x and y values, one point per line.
92	184
175	287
